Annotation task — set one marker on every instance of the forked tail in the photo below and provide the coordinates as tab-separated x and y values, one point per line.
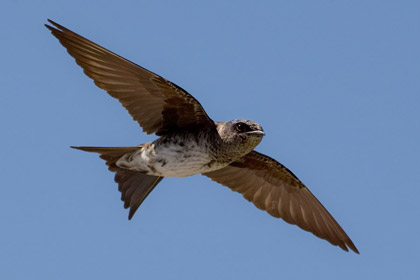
134	186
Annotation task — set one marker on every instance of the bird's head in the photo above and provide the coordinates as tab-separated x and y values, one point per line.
245	135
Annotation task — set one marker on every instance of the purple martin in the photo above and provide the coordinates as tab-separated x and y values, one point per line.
190	143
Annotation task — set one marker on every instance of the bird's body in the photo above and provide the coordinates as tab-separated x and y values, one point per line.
174	156
191	143
187	153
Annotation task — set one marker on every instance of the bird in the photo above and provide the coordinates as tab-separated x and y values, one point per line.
189	142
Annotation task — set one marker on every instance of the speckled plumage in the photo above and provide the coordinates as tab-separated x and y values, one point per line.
192	143
186	153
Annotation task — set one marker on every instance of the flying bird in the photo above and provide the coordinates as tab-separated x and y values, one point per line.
190	143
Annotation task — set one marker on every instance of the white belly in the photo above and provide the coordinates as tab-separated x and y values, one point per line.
170	161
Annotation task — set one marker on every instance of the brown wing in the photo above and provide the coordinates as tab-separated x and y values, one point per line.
158	105
273	188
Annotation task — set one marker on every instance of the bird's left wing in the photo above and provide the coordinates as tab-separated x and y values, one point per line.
273	188
158	105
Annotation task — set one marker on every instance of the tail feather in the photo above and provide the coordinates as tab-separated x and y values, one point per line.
134	186
110	154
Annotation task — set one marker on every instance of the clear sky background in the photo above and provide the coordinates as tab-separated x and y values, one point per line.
335	84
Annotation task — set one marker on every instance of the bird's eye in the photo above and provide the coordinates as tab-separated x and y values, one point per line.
241	127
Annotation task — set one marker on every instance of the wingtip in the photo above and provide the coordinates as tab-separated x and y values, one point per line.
55	27
49	26
85	149
353	248
53	23
130	216
346	245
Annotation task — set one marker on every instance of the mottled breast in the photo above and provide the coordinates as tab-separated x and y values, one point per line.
174	156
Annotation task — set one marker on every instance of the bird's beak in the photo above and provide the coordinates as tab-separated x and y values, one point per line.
256	132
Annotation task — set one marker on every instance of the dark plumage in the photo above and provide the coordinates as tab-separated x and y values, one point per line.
191	143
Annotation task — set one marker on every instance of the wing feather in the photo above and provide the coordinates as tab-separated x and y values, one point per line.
158	105
273	188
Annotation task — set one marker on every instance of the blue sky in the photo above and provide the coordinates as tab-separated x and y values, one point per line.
335	84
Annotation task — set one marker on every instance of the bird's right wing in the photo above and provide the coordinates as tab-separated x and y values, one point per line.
158	105
273	188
